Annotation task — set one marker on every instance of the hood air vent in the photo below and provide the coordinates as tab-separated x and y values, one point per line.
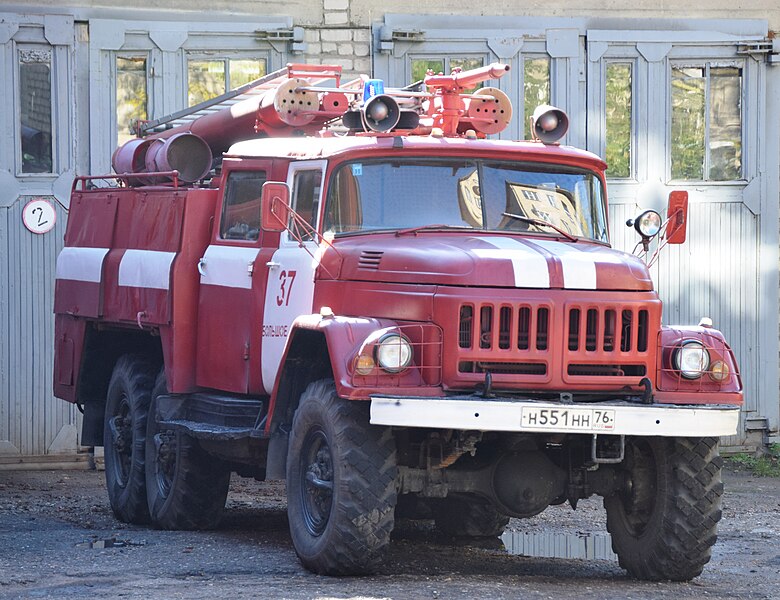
369	259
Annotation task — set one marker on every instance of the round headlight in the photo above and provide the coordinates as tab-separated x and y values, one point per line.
648	223
692	359
393	353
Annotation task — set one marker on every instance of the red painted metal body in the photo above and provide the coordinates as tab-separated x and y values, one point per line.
135	256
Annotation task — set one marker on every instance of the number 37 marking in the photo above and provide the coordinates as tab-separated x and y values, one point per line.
287	278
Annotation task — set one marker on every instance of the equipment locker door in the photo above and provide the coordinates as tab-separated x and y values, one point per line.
233	276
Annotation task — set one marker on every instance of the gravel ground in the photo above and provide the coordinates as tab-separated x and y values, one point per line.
53	525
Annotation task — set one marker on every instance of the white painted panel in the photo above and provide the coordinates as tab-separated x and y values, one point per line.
492	415
146	269
81	264
228	266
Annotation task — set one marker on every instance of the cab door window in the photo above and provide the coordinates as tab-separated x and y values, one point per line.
241	208
306	201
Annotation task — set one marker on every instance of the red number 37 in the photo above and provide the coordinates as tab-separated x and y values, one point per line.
287	278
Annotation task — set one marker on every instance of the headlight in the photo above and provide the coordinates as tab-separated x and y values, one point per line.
692	359
393	353
648	223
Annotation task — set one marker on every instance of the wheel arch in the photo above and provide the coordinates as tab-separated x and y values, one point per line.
102	349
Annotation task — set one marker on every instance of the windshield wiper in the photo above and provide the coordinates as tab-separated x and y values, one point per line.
540	223
414	230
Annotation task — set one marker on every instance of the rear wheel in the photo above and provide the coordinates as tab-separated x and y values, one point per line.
186	487
664	523
340	484
124	431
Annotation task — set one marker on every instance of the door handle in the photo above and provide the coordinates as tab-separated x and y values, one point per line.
273	265
201	265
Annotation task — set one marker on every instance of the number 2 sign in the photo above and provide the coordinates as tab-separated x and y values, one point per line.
39	215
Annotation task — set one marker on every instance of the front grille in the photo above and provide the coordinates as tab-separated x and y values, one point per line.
607	370
582	342
521	328
502	368
597	330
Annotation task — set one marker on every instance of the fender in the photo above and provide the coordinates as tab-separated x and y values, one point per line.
343	338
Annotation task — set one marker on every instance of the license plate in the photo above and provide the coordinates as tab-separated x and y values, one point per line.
568	419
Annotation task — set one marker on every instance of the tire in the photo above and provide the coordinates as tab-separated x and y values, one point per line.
665	526
468	517
341	475
124	432
186	487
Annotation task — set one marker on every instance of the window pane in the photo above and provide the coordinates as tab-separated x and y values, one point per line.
725	123
420	67
241	210
206	80
618	123
306	198
536	87
688	125
471	194
244	71
130	95
35	110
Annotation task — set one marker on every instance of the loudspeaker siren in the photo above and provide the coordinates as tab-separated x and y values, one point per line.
381	113
549	124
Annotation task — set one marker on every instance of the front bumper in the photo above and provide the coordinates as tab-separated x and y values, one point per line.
525	415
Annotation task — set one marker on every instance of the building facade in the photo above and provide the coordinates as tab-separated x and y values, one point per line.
673	98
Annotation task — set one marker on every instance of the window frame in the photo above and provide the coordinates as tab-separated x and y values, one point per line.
220	233
633	132
58	165
524	57
130	54
224	56
296	167
706	63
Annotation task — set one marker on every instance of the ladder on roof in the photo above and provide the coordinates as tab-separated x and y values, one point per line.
315	74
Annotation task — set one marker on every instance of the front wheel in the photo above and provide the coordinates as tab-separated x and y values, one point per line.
186	487
664	522
340	484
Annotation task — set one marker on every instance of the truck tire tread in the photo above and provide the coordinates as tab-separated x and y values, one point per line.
131	381
677	542
198	486
361	519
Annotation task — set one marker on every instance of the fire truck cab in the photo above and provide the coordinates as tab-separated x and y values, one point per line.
396	315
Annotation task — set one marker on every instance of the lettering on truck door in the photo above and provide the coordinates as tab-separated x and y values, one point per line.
290	290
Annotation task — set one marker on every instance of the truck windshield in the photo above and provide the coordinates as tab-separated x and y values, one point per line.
472	194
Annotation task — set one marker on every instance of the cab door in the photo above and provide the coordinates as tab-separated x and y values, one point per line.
233	277
290	290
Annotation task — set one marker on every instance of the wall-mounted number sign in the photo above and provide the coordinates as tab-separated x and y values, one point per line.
39	215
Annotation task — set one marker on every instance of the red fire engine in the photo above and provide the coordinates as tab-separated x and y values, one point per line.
366	297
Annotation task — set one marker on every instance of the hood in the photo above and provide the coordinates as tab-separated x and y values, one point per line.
464	259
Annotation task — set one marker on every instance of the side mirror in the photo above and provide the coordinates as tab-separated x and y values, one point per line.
677	217
276	206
